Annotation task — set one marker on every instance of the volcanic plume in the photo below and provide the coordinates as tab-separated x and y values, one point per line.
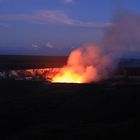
86	64
94	63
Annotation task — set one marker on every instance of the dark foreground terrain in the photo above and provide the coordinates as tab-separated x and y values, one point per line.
41	111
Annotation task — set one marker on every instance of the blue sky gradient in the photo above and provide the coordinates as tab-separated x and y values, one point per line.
33	26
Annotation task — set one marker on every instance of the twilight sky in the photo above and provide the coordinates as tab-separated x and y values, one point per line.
51	27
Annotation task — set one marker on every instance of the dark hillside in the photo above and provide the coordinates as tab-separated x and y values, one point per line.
38	111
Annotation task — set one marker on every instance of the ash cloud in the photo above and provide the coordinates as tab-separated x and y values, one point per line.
124	35
94	63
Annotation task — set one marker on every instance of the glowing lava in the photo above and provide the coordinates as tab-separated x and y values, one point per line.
67	76
84	65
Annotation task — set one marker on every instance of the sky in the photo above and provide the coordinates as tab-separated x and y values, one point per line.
54	27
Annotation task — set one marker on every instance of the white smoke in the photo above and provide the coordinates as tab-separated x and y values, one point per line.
91	63
124	35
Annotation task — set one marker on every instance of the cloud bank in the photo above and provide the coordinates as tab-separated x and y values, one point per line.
53	16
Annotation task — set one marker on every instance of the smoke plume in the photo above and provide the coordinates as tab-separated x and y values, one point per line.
91	63
85	64
123	37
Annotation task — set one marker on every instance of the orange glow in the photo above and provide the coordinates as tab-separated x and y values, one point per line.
84	65
45	73
67	76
